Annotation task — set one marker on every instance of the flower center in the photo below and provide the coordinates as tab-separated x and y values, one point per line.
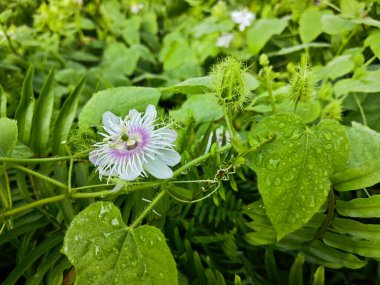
126	142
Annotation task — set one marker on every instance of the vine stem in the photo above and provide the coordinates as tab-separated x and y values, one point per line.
330	213
101	194
148	209
41	176
198	160
32	160
32	205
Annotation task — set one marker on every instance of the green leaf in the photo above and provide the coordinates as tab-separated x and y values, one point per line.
310	25
296	271
339	66
3	103
105	251
368	83
330	257
373	41
203	107
356	229
319	276
363	170
31	257
66	117
117	100
197	85
119	59
204	84
360	207
21	151
293	169
334	24
25	109
176	52
260	33
8	137
360	247
43	113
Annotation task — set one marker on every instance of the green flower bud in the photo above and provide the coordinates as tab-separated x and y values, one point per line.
302	84
326	91
230	84
333	110
219	10
263	60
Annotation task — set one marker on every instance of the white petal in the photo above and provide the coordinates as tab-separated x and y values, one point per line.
129	174
158	169
169	157
150	114
167	134
94	157
108	118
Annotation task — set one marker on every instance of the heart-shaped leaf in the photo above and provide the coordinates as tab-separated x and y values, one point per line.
293	170
105	251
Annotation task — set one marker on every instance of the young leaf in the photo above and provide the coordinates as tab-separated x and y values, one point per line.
293	169
66	117
8	137
25	109
319	276
296	271
117	100
44	109
105	251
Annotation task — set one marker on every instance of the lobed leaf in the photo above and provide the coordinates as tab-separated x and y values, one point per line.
105	251
293	170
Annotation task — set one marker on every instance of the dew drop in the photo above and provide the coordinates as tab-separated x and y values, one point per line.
297	134
134	263
268	182
277	181
291	145
310	166
115	222
289	177
272	164
311	203
281	125
259	158
327	136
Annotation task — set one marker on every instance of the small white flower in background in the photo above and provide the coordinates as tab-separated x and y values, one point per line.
243	17
135	145
136	7
224	40
219	138
79	2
